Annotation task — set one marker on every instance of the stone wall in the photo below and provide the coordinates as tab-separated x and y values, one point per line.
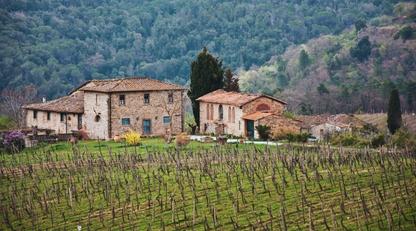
275	106
233	127
96	115
136	110
279	125
69	123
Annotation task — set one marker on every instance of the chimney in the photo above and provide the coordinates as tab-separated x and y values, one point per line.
43	100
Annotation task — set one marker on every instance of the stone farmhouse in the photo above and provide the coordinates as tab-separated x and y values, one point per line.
106	108
322	126
238	114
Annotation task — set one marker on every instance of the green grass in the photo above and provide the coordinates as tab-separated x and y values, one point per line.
59	151
204	186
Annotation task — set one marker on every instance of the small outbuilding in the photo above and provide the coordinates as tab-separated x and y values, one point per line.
238	114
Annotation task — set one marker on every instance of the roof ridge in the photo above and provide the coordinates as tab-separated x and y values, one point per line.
116	78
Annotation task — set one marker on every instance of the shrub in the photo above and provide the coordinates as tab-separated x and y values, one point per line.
405	33
6	122
264	131
362	50
13	141
132	138
297	137
283	133
289	115
378	141
404	139
182	140
349	139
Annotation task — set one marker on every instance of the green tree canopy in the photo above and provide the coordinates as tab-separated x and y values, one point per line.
322	89
304	60
359	25
230	81
362	50
206	76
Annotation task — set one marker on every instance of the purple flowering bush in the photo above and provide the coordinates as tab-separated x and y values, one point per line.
13	141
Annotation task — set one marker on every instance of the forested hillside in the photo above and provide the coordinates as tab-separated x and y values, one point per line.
350	72
58	44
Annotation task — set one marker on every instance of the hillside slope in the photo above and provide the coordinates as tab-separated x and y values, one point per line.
327	74
58	44
379	120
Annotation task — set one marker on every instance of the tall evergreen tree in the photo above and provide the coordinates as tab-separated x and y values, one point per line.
304	59
230	82
206	76
394	114
362	50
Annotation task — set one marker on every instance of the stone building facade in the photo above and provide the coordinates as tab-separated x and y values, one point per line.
62	115
106	108
238	114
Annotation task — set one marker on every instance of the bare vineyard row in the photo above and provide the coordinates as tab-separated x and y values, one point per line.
220	188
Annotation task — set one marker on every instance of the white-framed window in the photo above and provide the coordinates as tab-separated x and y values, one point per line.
167	119
122	100
125	121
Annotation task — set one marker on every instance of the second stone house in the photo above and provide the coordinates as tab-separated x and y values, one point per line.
238	114
106	108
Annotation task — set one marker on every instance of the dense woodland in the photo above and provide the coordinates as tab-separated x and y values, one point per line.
351	72
58	44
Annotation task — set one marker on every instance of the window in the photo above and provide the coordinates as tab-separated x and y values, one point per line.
220	113
35	114
207	111
125	121
48	115
146	98
170	97
63	117
233	115
166	119
96	99
79	121
229	114
211	111
122	100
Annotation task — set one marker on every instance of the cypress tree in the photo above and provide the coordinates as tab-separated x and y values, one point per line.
304	59
206	76
394	114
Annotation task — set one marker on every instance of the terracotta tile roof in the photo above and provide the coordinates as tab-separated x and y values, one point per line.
128	84
232	98
257	115
313	120
73	103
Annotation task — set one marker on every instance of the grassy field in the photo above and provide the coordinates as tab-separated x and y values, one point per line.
63	151
203	187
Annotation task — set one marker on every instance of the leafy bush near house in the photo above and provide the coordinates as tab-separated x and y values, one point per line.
13	141
132	138
282	133
297	137
378	141
5	122
402	138
289	115
349	139
264	131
